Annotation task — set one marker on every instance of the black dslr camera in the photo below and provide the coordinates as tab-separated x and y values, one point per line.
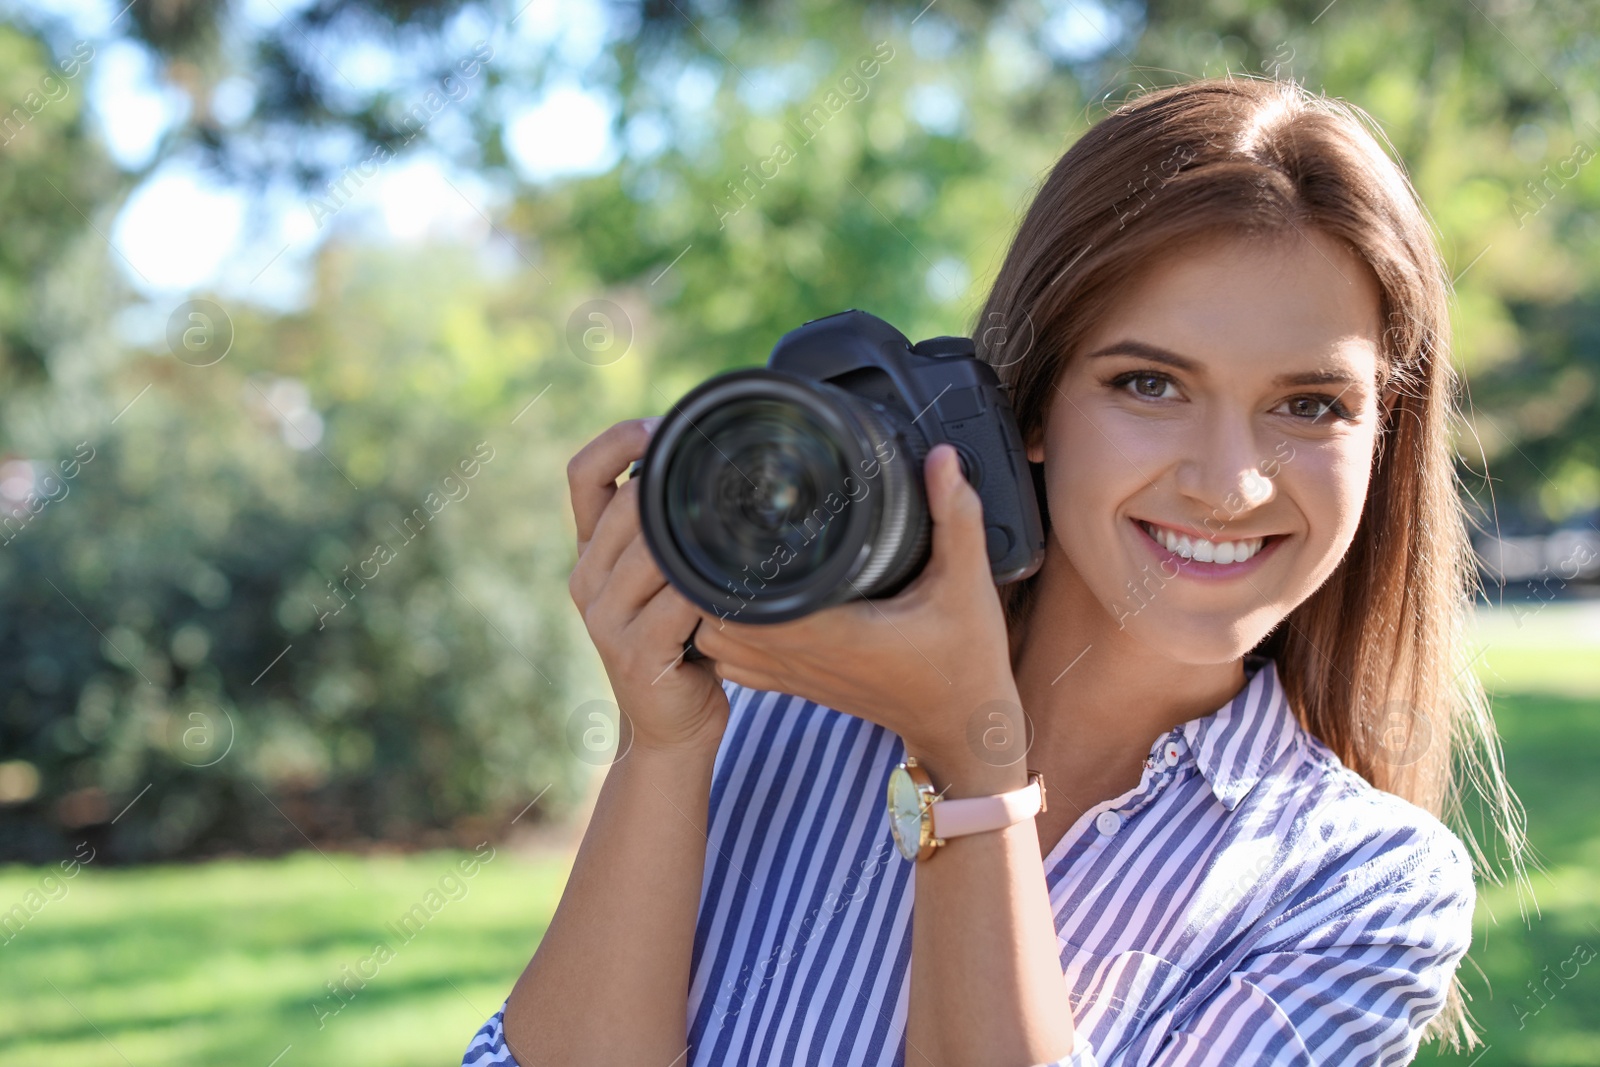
769	494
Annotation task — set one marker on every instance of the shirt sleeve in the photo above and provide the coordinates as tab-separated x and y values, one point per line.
1349	972
488	1045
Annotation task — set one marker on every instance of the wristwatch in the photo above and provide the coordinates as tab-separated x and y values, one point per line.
921	820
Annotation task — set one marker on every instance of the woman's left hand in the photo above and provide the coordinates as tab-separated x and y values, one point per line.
927	663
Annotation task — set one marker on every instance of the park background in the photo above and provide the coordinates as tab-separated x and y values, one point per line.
275	274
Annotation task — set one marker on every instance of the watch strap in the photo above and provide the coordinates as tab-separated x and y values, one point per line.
973	815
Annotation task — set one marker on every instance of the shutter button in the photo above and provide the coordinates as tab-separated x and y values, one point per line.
1108	822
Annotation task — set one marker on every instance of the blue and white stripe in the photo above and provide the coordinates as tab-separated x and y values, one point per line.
1252	900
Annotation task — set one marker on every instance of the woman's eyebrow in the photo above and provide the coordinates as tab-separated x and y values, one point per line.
1318	377
1157	354
1144	350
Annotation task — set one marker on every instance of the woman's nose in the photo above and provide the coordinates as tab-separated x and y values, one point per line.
1223	473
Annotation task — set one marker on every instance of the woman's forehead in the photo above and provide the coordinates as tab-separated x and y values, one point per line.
1233	303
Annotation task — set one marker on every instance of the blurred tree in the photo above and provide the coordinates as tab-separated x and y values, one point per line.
51	173
308	572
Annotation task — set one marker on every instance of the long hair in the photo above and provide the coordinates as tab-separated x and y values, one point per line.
1373	661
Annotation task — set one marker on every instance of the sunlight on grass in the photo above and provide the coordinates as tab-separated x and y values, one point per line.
229	962
1540	648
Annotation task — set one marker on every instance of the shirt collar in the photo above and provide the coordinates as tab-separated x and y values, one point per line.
1235	745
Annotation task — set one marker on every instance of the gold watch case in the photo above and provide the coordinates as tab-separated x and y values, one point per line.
911	796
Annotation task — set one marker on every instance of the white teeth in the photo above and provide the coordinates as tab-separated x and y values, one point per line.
1202	551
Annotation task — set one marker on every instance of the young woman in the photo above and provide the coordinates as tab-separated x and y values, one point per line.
1223	325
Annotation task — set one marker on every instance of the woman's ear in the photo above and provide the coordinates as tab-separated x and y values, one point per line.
1387	401
1036	449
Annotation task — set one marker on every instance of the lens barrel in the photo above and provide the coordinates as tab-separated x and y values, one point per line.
765	497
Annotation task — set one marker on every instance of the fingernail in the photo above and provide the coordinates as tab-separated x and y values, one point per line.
651	423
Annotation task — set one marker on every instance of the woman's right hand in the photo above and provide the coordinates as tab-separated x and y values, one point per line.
637	622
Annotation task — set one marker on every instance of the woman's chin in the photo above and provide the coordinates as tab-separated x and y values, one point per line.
1197	640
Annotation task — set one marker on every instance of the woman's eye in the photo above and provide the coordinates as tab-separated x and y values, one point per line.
1315	408
1153	386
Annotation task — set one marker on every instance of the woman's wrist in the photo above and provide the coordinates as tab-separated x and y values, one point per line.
959	769
699	739
983	748
957	773
703	745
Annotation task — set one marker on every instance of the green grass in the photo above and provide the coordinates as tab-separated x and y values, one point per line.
221	963
1541	648
1550	745
1542	664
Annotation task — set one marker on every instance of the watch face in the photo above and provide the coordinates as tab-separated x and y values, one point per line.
905	813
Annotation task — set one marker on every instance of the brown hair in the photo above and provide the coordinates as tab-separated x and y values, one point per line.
1373	661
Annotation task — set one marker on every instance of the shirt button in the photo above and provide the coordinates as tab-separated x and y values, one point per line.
1108	822
1172	752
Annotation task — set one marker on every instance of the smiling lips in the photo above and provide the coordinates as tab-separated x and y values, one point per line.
1201	550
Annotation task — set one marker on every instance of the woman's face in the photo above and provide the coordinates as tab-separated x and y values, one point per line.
1208	448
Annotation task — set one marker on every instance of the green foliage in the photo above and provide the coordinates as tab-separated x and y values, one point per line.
389	556
805	180
49	174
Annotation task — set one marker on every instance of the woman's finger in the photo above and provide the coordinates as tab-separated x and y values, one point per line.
617	529
959	541
741	675
763	648
592	473
666	621
634	579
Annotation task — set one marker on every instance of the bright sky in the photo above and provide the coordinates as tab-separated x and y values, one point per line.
181	231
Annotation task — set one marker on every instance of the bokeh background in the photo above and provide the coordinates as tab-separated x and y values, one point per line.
304	304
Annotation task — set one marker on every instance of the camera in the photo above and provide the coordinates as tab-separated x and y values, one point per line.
767	494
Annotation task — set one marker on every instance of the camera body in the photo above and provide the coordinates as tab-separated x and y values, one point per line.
820	456
950	396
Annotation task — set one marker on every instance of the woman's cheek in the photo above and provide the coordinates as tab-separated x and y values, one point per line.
1083	496
1329	483
1079	491
1104	452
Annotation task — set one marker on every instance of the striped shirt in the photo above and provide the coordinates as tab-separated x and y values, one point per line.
1251	900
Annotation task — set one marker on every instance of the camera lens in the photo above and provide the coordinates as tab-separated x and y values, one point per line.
756	471
766	497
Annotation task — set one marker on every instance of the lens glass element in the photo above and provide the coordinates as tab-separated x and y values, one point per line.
756	493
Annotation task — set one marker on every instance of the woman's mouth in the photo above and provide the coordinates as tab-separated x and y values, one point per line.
1207	556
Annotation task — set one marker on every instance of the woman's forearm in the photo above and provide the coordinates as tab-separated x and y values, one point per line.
986	981
610	980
